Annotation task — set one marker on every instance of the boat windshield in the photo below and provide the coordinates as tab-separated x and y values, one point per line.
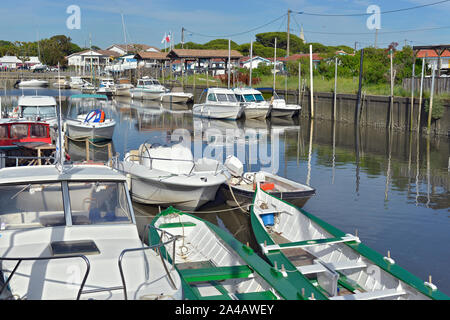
231	98
3	131
240	98
249	98
31	206
44	112
98	203
156	82
259	97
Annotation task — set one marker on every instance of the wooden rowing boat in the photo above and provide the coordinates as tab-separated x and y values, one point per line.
338	264
215	266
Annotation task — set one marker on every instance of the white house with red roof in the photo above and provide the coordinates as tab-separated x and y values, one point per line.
432	59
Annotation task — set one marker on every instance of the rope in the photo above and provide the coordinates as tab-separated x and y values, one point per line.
89	141
232	193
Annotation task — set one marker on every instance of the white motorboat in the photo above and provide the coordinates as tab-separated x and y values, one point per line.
33	83
76	82
148	89
62	83
218	103
72	234
123	88
281	109
255	105
169	176
177	96
88	120
107	87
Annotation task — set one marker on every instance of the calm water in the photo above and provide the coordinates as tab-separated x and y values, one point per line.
393	188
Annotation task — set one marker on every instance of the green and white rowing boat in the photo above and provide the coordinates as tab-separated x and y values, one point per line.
337	264
213	265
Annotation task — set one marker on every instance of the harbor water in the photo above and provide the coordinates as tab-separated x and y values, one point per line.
391	188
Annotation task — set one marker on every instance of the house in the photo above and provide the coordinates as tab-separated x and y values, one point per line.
99	59
254	62
123	49
123	63
148	59
432	58
10	62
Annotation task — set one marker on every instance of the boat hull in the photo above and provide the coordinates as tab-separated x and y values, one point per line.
77	130
256	113
145	94
176	98
224	112
282	112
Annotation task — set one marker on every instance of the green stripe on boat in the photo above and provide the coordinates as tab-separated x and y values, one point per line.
177	225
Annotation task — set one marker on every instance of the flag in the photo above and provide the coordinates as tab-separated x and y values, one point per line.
168	38
165	38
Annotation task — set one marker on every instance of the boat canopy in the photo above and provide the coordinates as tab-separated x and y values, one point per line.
89	96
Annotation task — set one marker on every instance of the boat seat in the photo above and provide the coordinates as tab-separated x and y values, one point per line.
216	273
373	295
337	266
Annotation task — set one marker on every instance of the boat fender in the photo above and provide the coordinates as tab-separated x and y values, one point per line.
431	285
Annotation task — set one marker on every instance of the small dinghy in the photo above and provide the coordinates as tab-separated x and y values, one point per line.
240	188
169	176
338	264
213	265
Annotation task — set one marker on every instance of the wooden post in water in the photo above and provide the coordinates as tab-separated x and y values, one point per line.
358	103
420	95
335	89
391	111
311	80
412	94
430	109
229	61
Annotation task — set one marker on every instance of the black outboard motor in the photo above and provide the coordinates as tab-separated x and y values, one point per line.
16	85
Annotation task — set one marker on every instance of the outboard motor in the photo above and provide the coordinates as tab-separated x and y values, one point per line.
235	166
16	85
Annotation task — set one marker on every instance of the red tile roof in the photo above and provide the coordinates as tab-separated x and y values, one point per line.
432	54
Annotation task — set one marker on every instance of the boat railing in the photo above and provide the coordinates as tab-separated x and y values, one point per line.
19	261
162	159
3	157
156	247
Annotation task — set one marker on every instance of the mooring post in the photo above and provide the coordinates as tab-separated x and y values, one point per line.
311	80
299	82
412	94
430	109
420	96
391	111
358	103
335	89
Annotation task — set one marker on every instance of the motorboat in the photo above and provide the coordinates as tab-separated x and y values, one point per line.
123	88
107	87
214	265
317	254
76	82
88	120
148	89
169	176
218	103
255	105
71	234
176	95
32	83
239	190
61	83
281	109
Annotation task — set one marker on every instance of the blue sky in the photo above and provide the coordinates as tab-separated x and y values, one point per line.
147	20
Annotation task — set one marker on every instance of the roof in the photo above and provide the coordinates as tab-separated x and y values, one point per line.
133	47
36	101
424	53
106	53
203	54
294	57
220	90
10	59
246	59
145	55
246	91
26	175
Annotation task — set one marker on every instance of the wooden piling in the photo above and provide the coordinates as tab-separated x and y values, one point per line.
430	109
420	96
311	80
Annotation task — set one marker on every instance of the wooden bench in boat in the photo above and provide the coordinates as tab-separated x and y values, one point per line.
337	266
216	273
309	243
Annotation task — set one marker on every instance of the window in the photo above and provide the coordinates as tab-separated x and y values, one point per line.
98	203
231	98
259	97
4	132
249	98
31	206
38	131
240	98
43	111
212	97
221	97
19	131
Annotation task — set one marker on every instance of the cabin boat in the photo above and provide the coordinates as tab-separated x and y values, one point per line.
148	89
240	188
281	109
218	103
214	265
314	253
107	87
33	83
14	131
88	120
61	83
72	234
76	82
169	176
123	88
255	105
177	96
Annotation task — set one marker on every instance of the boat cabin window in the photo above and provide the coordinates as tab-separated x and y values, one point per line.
249	98
33	205
221	97
259	97
156	82
38	131
240	98
148	83
98	203
19	131
4	132
231	98
212	97
41	111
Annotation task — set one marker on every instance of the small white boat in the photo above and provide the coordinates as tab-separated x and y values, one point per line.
123	88
169	176
33	83
316	255
148	89
218	103
281	109
72	234
240	188
62	83
177	96
107	87
89	121
255	105
76	82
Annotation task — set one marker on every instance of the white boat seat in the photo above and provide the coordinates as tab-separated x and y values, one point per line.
337	266
388	293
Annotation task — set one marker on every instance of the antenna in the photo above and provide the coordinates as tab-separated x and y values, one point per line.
124	33
60	154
